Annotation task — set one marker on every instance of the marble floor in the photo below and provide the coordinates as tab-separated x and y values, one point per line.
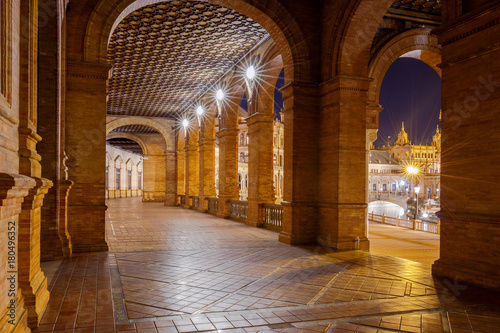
176	270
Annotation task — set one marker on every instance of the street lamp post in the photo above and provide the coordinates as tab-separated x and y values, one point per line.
417	190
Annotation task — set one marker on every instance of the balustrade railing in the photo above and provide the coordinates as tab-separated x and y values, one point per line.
238	209
195	202
272	216
213	205
419	225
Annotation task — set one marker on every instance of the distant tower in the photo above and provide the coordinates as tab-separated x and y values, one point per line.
436	139
402	137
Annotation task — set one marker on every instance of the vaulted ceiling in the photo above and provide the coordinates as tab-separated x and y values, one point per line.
126	144
165	56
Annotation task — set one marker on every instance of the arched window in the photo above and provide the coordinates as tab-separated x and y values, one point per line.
239	181
242	139
246	181
117	179
248	139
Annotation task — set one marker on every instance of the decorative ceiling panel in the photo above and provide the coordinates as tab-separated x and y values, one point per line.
126	144
135	129
418	6
165	56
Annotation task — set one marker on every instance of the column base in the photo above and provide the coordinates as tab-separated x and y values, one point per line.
36	298
15	320
345	244
456	271
295	239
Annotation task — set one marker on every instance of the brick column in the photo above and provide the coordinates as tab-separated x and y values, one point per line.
86	148
13	189
32	280
207	160
260	163
470	214
228	157
171	178
181	163
343	160
191	175
301	163
154	175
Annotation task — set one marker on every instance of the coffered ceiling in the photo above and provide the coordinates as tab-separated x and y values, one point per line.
165	56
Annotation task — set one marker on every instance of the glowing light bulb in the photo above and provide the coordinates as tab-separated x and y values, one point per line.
199	110
220	95
185	123
251	72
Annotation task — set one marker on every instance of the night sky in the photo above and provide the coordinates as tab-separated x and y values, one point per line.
410	93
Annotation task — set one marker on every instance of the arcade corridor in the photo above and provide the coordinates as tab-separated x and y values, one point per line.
175	270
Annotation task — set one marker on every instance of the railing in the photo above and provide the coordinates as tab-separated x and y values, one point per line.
213	205
195	202
182	200
419	225
238	209
272	216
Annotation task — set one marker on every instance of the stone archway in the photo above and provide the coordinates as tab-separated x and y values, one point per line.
416	43
166	133
130	136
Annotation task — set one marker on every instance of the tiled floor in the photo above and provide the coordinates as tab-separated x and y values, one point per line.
175	270
404	243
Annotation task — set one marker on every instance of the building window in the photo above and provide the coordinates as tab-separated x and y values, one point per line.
393	187
139	180
129	179
242	139
242	157
374	187
384	187
239	181
248	139
117	179
246	181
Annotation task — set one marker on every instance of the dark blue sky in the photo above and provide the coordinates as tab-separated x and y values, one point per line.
278	97
410	93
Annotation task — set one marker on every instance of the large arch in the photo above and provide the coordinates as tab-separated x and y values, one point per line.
349	43
404	44
160	128
271	15
130	136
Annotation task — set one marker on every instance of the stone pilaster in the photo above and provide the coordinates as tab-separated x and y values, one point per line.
192	169
300	212
207	161
260	164
86	149
343	160
470	214
13	189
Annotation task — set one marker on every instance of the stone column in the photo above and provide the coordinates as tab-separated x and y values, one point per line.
470	213
260	163
13	189
207	160
86	148
300	210
171	178
343	160
228	159
192	168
